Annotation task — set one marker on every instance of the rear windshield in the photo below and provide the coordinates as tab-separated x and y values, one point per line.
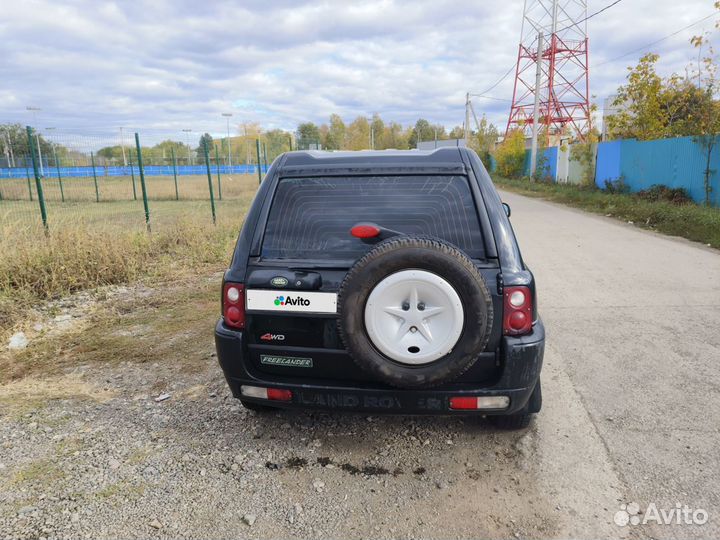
310	218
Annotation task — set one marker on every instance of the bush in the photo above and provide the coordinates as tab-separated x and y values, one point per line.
617	186
660	192
510	155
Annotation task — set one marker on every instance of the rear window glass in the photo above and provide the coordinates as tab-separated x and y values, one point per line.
310	218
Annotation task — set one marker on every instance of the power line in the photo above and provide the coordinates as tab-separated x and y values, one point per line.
598	12
657	41
490	97
499	80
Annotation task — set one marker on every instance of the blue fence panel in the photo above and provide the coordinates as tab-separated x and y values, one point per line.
608	162
679	162
550	156
150	170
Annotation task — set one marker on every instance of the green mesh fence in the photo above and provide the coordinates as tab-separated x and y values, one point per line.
93	178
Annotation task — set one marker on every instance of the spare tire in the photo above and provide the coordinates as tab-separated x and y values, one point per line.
415	312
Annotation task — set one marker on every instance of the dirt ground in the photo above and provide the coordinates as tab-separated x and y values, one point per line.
87	450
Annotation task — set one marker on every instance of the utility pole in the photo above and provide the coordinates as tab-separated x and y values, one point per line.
467	118
228	115
536	107
122	146
34	111
187	133
372	137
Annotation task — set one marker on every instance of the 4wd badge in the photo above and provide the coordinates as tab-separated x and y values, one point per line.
279	281
286	361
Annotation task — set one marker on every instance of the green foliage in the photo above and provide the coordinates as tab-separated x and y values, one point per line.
335	139
200	150
307	134
358	134
584	153
14	141
617	186
510	155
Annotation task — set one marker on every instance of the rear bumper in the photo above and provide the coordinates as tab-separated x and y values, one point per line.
522	359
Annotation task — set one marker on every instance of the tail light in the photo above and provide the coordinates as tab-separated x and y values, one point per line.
469	403
518	312
273	394
233	305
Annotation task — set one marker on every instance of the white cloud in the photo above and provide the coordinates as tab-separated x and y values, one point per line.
173	64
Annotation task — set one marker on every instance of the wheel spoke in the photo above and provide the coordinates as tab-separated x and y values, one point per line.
403	330
396	312
424	330
414	298
432	311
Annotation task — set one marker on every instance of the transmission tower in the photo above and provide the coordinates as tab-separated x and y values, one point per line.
557	74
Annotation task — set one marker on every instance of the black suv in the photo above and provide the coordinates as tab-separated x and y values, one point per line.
381	282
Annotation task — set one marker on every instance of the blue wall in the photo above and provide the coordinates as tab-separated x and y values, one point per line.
607	165
551	161
678	162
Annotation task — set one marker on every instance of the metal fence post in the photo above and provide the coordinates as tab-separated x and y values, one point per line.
217	167
27	173
97	191
132	174
38	181
257	149
142	182
265	155
177	193
209	175
57	166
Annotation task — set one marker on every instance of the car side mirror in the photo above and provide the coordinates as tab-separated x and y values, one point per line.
506	206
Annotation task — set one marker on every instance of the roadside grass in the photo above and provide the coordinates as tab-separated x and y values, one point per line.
691	221
100	248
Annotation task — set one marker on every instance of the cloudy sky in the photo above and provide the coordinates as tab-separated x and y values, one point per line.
174	64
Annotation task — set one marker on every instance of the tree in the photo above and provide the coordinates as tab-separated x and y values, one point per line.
200	150
335	139
642	113
510	155
394	137
457	133
14	140
308	134
421	132
277	141
706	110
358	134
378	132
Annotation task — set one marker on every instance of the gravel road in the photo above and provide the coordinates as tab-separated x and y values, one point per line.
631	414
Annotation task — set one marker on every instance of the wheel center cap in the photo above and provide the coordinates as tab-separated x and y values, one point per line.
414	317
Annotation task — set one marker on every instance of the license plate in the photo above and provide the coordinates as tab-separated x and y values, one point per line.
291	301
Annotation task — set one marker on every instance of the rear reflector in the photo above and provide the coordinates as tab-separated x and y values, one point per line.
273	394
465	403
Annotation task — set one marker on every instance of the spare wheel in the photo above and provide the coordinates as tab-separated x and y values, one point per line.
415	312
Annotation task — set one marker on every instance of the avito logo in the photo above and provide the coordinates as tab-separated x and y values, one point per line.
290	301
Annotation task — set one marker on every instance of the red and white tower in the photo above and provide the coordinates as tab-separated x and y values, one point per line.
561	83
